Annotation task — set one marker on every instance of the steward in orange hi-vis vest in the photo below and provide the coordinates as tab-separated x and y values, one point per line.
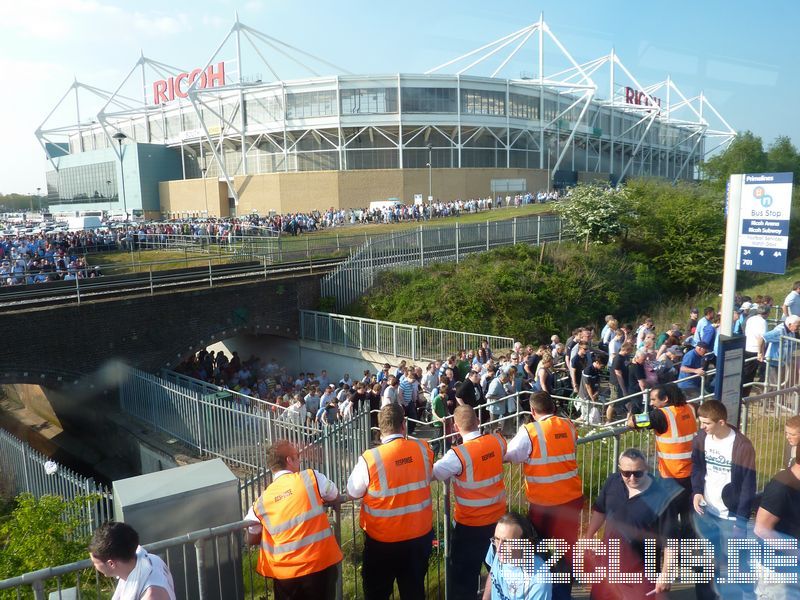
296	536
397	505
674	447
479	491
551	471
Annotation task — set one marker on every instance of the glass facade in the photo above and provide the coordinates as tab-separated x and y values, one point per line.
305	105
368	101
483	102
521	106
264	109
429	100
95	183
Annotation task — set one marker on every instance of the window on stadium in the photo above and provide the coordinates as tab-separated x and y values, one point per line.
483	102
304	105
429	100
521	106
365	101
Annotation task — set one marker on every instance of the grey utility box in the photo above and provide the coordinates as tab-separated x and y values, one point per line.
177	501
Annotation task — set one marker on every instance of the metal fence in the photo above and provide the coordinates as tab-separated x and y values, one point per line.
432	244
597	454
25	470
392	339
221	423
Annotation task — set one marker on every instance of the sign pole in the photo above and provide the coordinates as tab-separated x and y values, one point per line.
734	205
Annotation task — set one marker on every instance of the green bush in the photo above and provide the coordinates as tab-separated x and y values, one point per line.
42	533
510	292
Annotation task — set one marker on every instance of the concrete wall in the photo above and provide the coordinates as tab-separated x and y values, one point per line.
187	197
305	191
303	356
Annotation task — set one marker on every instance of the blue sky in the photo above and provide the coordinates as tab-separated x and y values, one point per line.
743	56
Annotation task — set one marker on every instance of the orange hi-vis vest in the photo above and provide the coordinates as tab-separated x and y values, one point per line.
397	505
296	537
551	471
674	446
479	490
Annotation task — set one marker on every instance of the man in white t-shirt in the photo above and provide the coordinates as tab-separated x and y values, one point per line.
791	306
115	552
723	490
754	329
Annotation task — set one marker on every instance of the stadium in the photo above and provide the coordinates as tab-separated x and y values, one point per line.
231	137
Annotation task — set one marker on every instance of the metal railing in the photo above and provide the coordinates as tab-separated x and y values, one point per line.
221	423
392	339
432	244
209	563
206	272
25	470
597	458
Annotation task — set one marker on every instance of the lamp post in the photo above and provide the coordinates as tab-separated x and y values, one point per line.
39	198
548	168
119	136
205	189
430	173
108	195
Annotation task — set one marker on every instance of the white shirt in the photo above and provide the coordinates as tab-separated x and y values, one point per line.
327	489
296	413
389	396
346	408
719	457
519	448
159	576
429	381
754	329
792	303
358	482
450	465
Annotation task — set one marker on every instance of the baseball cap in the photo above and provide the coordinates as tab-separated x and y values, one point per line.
675	350
695	311
702	345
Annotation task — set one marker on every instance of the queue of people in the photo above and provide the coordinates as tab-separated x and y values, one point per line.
704	488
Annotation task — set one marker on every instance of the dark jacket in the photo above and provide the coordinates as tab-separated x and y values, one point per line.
739	494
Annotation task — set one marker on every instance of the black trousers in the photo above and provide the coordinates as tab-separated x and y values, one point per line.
406	562
468	546
321	585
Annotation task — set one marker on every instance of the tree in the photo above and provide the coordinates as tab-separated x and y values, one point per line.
782	157
745	154
681	229
42	533
596	213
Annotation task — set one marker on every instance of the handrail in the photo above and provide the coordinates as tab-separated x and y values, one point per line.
80	289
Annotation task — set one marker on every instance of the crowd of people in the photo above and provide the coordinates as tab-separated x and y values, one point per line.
49	253
703	495
598	378
39	259
702	485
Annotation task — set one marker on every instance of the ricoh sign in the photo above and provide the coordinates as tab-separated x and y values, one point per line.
639	98
167	90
